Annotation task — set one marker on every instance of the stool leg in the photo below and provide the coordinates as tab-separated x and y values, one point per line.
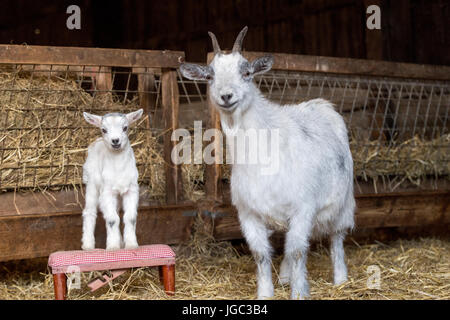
168	273
161	279
59	283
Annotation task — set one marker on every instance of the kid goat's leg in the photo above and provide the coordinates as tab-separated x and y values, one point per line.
296	253
108	205
89	217
257	236
130	205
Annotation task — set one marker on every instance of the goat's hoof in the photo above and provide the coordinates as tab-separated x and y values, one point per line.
295	295
300	293
339	280
265	297
299	296
131	245
283	280
88	245
113	247
265	292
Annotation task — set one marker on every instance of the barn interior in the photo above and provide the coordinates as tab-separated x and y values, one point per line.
391	85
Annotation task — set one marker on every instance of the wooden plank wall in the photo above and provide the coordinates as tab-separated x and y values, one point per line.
412	30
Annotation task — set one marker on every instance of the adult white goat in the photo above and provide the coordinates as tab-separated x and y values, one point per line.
311	194
109	173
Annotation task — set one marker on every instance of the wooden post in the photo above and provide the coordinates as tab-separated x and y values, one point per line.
168	272
170	104
146	89
60	286
213	187
161	278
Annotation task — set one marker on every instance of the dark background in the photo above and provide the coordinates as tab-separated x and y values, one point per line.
412	30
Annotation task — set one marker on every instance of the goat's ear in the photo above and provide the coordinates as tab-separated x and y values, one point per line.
134	116
262	65
196	72
93	119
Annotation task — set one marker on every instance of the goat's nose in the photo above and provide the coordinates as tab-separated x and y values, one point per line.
226	97
115	141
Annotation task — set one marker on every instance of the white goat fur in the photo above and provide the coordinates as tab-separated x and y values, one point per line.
110	173
312	192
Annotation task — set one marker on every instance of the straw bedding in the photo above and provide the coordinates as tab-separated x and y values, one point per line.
207	269
44	138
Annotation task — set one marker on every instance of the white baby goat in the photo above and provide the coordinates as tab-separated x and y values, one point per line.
311	194
109	173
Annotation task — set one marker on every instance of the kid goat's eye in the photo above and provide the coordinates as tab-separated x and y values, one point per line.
104	130
208	77
125	128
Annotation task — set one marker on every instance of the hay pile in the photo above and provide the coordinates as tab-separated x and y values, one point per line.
411	160
206	269
44	137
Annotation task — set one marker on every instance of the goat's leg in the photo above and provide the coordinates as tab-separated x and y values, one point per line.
89	217
285	270
130	205
338	257
296	254
108	205
257	236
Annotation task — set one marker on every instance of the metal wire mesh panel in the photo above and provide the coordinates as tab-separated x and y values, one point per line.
44	137
398	128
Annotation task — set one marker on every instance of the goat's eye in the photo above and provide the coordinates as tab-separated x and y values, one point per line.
208	77
104	130
125	129
247	74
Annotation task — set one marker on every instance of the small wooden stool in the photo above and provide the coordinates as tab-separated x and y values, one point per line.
118	261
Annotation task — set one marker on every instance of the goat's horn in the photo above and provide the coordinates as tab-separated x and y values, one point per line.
238	43
214	43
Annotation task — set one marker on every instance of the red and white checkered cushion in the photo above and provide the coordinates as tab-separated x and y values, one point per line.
142	255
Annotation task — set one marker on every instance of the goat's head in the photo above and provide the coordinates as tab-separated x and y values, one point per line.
229	75
114	127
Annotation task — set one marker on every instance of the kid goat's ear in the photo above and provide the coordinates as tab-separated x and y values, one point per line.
196	72
262	65
93	119
134	116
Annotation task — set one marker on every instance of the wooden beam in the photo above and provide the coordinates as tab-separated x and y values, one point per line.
304	63
28	236
170	103
22	54
374	211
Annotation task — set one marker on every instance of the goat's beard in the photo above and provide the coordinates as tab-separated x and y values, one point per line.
230	123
